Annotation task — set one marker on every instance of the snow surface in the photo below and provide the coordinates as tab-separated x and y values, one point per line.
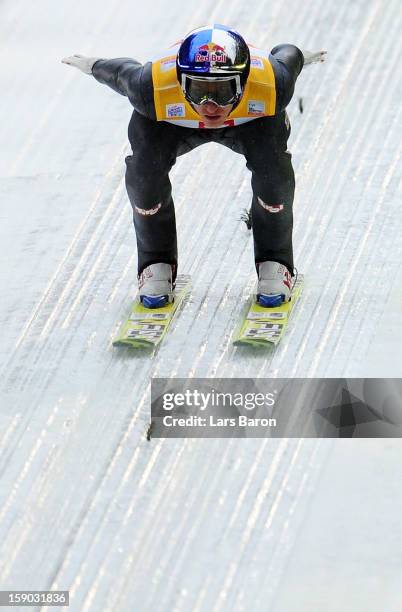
87	504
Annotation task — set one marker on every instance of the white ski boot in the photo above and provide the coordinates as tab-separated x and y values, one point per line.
274	284
155	285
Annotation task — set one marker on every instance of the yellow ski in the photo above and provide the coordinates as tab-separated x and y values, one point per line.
146	327
266	326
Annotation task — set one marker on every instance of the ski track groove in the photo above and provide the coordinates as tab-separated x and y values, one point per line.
157	522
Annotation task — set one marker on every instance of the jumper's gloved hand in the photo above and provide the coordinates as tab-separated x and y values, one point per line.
313	57
81	62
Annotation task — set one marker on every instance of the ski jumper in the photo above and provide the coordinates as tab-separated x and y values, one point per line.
164	126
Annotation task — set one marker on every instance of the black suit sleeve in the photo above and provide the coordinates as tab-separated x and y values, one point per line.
287	62
129	78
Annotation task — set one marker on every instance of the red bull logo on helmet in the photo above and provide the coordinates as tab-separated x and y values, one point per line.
211	52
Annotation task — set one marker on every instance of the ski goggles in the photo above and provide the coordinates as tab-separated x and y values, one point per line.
221	90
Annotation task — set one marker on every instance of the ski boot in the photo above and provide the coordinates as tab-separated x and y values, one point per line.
155	285
274	284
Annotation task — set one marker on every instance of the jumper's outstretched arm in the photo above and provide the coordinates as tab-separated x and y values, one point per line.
124	75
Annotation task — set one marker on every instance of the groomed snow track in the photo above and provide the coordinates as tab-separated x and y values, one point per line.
87	503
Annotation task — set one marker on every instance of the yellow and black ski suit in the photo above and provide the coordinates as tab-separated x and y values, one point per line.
164	125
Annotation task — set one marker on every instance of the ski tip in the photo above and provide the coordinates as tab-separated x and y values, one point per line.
133	344
253	343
